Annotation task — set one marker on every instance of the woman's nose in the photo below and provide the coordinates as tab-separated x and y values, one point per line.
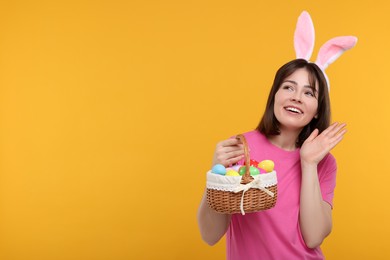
296	97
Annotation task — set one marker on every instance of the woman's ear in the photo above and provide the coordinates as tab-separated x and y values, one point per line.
316	116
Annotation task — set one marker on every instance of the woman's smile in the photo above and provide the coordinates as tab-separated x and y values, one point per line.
293	109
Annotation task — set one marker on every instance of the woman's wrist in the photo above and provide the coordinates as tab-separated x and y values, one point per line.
308	164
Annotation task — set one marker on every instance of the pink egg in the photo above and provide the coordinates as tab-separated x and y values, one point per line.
236	167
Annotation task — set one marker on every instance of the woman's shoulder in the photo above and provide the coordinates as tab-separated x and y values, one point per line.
328	162
253	134
256	140
328	159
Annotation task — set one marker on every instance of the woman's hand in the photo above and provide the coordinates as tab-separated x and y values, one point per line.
316	146
228	152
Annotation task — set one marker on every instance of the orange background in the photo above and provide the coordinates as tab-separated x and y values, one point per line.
110	112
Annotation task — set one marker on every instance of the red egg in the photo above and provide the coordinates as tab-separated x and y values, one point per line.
253	163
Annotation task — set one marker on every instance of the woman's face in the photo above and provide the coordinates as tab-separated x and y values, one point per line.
296	101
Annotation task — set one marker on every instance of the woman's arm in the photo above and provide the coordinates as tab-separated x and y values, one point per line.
315	217
213	225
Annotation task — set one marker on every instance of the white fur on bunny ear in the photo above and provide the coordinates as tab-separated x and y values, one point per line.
332	49
304	36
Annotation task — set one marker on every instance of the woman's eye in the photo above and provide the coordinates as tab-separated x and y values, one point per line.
288	87
310	94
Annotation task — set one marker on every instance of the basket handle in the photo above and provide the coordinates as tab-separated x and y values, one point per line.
246	178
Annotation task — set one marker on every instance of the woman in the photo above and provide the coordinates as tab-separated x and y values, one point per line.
295	133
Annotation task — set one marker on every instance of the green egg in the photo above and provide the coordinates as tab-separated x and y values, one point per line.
254	171
242	170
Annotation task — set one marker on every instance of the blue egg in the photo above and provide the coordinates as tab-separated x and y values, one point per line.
219	169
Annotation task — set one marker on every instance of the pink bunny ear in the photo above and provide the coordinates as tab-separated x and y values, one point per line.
304	36
332	49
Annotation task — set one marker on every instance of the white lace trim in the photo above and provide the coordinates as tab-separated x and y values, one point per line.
232	183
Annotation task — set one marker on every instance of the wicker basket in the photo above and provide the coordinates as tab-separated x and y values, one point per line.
241	194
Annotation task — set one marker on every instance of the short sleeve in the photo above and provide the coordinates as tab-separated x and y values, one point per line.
327	169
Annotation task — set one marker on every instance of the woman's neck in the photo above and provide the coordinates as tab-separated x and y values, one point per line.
286	140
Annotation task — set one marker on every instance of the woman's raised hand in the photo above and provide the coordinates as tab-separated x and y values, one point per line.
228	152
316	146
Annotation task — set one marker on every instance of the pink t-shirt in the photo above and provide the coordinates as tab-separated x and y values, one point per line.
275	233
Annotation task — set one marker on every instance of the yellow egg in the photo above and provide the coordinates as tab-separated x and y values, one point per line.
267	165
232	173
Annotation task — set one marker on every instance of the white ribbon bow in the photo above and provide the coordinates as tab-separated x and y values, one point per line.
245	187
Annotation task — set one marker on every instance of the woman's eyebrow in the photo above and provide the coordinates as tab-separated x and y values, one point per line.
295	83
291	81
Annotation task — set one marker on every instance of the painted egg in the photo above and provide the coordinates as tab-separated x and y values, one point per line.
267	165
252	170
219	169
242	170
253	163
232	173
236	167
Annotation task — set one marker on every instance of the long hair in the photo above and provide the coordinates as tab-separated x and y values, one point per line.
269	125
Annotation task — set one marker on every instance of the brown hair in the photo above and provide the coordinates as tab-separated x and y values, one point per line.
269	125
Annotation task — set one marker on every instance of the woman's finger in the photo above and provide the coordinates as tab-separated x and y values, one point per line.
223	155
335	142
232	148
225	160
332	142
327	130
229	142
313	135
234	160
336	129
235	153
337	135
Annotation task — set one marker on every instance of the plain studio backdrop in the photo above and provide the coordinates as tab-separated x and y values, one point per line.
110	112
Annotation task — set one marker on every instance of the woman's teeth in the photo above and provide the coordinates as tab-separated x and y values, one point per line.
293	109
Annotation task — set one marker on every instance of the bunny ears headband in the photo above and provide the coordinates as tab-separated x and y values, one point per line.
328	53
